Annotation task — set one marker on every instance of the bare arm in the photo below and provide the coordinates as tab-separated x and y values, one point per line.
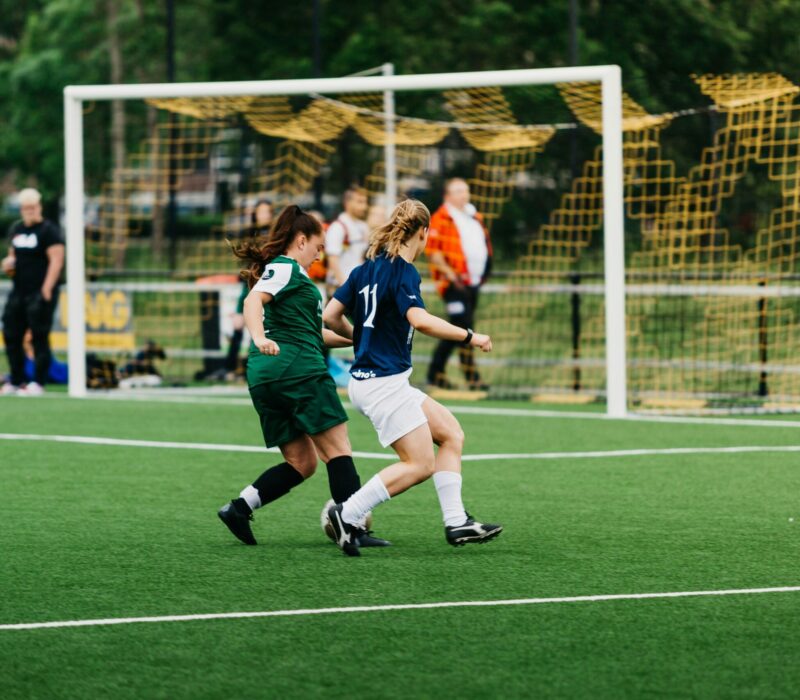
9	262
55	263
254	320
336	269
439	328
334	318
333	340
437	260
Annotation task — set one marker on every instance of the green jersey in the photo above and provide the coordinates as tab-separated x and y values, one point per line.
293	319
242	297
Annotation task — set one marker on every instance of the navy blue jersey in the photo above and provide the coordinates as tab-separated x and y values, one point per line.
378	294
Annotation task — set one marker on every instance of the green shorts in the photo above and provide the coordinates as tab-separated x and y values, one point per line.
295	407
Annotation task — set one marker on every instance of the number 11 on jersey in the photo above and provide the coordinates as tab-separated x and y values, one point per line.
370	314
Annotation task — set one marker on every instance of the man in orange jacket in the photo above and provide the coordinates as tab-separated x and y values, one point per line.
460	255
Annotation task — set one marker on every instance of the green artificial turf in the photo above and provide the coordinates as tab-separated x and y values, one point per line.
93	531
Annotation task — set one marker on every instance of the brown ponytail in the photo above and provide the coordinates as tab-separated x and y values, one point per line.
257	251
406	219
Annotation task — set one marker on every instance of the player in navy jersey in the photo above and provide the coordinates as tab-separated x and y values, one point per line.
384	300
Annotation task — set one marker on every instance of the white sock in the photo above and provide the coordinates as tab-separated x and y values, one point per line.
448	488
251	497
371	494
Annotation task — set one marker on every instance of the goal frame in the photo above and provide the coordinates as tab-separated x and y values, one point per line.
609	76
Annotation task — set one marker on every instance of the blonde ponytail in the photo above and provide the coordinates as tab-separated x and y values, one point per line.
407	218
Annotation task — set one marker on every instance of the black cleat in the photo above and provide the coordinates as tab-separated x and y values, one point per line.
478	386
345	532
238	522
364	538
441	382
471	531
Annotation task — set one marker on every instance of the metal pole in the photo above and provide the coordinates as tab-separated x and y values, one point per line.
614	245
763	343
316	65
377	83
172	180
574	18
76	282
574	59
389	153
316	46
171	41
575	304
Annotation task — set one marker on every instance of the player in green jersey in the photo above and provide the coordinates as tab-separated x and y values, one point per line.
295	397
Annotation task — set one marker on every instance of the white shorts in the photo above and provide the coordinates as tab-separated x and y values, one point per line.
391	403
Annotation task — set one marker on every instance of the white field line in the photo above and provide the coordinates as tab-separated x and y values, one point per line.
121	442
217	447
385	608
137	397
634	453
636	417
466	410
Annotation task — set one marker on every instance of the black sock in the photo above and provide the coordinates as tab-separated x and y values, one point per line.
242	506
277	481
342	478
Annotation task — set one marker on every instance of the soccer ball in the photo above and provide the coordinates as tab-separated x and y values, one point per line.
325	522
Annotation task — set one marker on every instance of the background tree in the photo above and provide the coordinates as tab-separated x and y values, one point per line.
45	45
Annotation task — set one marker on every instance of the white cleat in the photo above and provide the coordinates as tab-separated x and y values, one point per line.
31	389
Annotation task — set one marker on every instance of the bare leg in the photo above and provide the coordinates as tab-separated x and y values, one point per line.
447	475
416	465
300	453
333	442
275	482
447	433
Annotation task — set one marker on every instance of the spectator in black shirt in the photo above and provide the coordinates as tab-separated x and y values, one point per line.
35	259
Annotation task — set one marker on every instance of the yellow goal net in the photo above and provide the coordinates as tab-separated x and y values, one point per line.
712	280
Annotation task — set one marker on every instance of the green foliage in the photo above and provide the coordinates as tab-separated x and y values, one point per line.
6	220
58	46
47	45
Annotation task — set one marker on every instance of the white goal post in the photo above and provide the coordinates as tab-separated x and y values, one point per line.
610	78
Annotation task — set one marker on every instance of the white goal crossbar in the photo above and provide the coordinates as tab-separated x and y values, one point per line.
610	78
